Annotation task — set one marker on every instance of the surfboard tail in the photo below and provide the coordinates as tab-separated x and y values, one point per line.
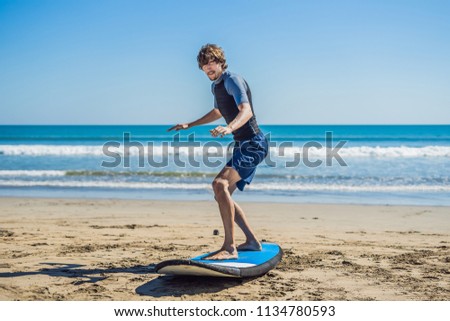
249	264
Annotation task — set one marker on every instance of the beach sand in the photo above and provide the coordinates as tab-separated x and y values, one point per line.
67	249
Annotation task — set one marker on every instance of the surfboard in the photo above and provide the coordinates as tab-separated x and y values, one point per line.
248	264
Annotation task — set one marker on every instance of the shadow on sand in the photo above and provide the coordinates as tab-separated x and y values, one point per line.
77	271
161	286
187	285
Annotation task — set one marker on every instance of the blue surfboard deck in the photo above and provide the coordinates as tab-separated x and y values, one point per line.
248	264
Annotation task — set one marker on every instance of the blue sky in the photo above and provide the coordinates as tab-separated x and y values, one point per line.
307	62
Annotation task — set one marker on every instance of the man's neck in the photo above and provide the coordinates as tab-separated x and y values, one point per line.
219	79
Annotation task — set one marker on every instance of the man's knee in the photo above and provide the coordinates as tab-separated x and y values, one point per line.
220	186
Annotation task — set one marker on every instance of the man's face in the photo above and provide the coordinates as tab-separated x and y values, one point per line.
213	70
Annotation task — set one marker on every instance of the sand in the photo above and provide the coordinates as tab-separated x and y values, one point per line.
67	249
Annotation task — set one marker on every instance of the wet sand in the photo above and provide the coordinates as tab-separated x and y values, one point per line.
67	249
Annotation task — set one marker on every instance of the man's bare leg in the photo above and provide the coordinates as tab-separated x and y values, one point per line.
222	184
230	211
251	243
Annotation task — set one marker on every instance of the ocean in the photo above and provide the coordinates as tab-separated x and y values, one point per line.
352	164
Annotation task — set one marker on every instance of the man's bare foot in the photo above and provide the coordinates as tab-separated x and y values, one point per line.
222	255
253	245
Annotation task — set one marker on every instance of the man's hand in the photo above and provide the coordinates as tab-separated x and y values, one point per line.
178	127
220	130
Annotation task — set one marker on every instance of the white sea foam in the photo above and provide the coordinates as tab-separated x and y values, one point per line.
102	184
31	173
288	152
200	186
366	152
351	188
50	150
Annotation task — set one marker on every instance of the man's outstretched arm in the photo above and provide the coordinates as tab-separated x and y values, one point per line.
213	115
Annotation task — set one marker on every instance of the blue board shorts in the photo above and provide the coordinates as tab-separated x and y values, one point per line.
247	154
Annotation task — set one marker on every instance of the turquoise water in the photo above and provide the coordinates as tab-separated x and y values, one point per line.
374	165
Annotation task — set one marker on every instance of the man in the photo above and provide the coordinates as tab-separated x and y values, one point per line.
232	101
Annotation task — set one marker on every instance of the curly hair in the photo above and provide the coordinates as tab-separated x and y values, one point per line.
211	52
